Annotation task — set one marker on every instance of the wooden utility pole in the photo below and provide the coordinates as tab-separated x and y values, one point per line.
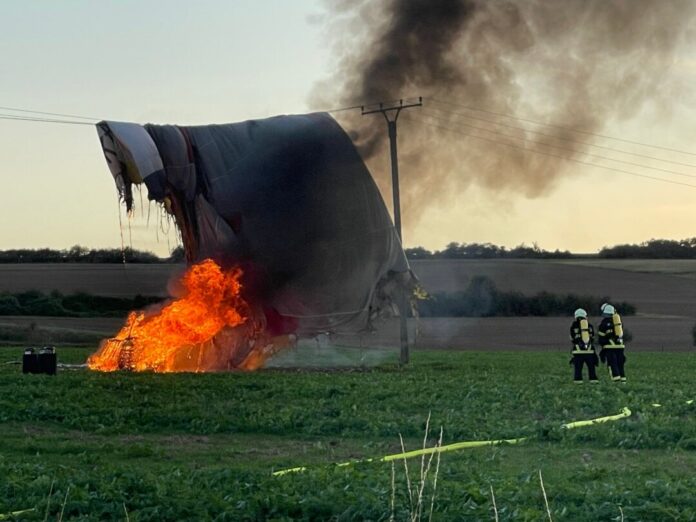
391	111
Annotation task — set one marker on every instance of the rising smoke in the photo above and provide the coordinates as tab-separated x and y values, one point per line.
574	64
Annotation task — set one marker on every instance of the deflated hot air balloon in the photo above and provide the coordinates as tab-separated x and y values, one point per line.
284	230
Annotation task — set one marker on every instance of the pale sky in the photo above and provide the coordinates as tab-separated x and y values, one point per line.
222	61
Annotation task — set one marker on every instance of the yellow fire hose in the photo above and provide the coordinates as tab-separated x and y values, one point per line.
625	412
16	513
463	445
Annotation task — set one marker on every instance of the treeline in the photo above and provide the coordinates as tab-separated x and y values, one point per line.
483	299
56	304
79	254
486	251
653	249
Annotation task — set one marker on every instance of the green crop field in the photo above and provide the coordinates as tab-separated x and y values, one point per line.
88	446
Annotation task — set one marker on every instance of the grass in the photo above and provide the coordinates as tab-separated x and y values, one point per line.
202	447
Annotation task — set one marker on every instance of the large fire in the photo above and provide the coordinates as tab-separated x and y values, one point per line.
210	328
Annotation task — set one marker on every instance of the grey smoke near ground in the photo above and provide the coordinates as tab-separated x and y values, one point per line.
343	352
578	64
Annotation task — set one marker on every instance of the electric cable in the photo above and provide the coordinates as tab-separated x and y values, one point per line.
11	117
20	117
575	151
551	154
94	119
16	109
587	143
343	109
453	104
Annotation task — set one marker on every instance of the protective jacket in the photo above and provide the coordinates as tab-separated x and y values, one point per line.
607	334
580	346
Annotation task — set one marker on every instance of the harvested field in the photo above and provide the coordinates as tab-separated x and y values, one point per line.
99	279
465	333
653	293
676	267
525	333
661	289
551	333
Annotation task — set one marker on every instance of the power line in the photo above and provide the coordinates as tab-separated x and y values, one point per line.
352	107
574	151
11	117
16	109
587	143
552	155
20	117
560	127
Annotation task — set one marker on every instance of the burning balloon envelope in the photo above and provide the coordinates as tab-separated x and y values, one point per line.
283	208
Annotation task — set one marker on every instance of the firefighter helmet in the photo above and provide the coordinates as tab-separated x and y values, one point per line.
580	312
608	310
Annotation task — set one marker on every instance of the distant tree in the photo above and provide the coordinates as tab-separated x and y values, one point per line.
653	249
178	255
483	295
138	256
470	251
418	253
452	251
9	305
78	254
485	251
535	252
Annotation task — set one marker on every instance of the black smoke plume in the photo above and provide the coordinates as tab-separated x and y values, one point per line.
575	64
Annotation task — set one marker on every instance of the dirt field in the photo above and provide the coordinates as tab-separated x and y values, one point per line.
656	293
663	290
525	333
678	267
661	287
99	279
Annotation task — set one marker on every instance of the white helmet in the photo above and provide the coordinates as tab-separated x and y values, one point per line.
580	312
601	308
607	309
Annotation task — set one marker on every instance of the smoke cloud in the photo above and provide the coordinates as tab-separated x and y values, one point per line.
576	64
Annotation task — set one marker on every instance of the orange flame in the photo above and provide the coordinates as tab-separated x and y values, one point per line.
210	328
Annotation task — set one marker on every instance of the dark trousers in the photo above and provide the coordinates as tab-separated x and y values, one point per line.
615	361
590	359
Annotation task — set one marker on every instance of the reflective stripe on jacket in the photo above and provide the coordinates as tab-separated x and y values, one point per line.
607	337
579	347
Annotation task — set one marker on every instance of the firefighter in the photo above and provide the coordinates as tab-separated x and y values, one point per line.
582	336
611	341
